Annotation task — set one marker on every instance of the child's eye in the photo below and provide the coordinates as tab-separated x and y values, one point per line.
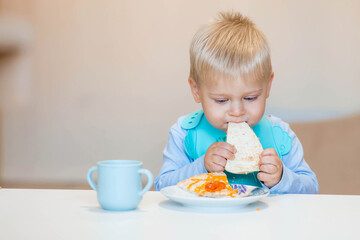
221	100
250	98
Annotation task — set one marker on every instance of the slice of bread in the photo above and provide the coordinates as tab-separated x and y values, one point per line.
248	149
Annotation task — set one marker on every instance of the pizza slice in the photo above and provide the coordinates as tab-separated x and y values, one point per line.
248	149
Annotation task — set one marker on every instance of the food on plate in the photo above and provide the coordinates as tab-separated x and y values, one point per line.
248	149
213	185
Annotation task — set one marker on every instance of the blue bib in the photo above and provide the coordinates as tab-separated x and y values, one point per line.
202	134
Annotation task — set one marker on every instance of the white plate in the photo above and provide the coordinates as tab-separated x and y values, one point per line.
188	199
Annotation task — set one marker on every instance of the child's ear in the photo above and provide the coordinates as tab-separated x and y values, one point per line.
269	85
194	89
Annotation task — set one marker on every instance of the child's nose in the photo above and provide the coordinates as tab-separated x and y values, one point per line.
237	110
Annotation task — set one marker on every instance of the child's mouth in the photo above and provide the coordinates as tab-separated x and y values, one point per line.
237	122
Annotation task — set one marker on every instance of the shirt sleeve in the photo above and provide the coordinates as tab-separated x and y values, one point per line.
177	165
297	176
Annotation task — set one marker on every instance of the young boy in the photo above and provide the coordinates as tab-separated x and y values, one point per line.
231	76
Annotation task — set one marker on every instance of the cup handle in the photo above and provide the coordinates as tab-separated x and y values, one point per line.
90	179
149	183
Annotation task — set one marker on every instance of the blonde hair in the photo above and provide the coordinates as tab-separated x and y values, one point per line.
233	46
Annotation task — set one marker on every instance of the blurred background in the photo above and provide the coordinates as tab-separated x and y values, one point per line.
88	80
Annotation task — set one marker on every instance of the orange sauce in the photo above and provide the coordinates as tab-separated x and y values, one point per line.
213	183
214	186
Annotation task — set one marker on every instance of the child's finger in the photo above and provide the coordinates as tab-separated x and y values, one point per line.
268	160
268	168
264	177
218	166
269	152
220	161
225	145
223	153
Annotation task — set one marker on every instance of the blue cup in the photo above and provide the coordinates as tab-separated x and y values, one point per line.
119	185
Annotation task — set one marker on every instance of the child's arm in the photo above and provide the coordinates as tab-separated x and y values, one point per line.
177	165
297	177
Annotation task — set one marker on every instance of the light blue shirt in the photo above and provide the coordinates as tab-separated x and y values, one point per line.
297	176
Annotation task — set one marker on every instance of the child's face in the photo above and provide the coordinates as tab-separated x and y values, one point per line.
227	100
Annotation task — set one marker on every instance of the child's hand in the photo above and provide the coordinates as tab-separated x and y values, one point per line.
271	168
216	155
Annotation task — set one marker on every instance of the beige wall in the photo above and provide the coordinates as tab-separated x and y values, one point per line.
107	79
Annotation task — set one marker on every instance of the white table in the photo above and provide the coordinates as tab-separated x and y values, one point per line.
75	214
